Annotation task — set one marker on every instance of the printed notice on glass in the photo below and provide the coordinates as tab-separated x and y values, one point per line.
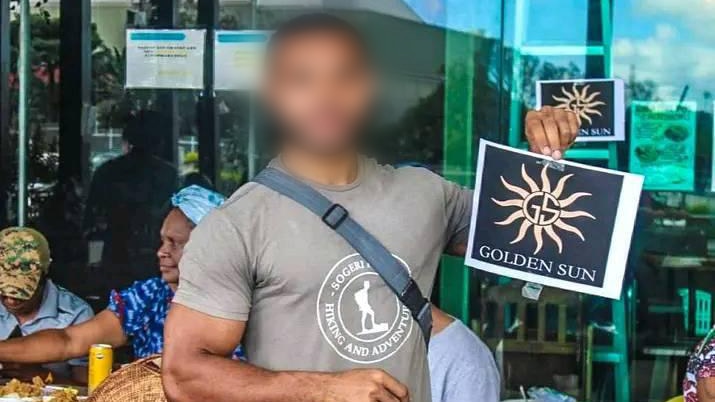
239	59
165	58
598	104
560	224
662	144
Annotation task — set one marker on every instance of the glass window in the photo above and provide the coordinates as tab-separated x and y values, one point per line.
44	103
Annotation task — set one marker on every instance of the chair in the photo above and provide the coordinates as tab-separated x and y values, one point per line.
505	297
703	313
509	329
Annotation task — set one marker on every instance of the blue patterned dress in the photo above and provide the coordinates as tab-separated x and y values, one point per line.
142	309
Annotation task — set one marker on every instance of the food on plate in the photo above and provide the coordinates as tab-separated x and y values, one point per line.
37	390
64	395
16	388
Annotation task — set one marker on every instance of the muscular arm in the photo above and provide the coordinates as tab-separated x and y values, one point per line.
195	367
56	345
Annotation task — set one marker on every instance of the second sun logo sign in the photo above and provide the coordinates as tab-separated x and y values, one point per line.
598	104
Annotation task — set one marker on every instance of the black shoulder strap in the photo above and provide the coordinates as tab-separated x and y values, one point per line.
337	218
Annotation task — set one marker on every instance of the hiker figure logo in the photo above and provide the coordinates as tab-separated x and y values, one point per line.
557	223
541	209
597	103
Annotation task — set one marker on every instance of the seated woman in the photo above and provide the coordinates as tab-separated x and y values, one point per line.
134	315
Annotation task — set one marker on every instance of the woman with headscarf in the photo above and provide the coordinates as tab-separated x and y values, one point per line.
135	315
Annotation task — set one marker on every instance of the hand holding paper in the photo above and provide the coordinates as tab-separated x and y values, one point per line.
551	131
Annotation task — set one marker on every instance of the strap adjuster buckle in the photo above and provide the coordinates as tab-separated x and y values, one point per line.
412	298
420	307
335	216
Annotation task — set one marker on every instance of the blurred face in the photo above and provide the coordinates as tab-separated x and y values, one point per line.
319	88
174	235
21	307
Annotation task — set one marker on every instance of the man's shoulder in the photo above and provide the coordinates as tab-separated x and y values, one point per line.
248	194
250	201
464	363
69	302
405	171
419	178
460	340
247	208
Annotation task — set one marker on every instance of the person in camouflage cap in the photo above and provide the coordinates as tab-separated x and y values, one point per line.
30	301
24	262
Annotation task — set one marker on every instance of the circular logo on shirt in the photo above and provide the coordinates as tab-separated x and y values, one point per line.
358	314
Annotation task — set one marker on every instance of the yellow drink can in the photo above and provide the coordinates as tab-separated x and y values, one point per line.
101	358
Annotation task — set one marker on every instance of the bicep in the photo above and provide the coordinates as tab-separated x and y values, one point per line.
217	270
105	327
185	334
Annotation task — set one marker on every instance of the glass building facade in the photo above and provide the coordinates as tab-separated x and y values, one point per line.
456	71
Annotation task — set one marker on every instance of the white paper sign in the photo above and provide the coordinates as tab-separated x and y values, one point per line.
560	224
238	59
165	58
599	105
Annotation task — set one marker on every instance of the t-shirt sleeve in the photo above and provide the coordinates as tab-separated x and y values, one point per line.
216	270
458	209
130	305
472	374
473	386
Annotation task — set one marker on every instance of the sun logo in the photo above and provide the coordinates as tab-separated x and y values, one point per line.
580	102
541	209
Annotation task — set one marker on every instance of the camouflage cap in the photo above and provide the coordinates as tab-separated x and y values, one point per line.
24	260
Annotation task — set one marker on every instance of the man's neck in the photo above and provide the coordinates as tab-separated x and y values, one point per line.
332	170
22	319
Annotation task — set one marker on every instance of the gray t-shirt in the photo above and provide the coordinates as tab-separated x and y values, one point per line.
462	367
311	302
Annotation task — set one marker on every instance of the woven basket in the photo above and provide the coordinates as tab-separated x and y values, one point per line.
136	382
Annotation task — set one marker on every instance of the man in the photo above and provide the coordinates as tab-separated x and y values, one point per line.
265	271
135	315
461	366
126	201
31	302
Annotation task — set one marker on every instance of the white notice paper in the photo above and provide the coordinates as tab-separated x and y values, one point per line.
165	58
238	59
